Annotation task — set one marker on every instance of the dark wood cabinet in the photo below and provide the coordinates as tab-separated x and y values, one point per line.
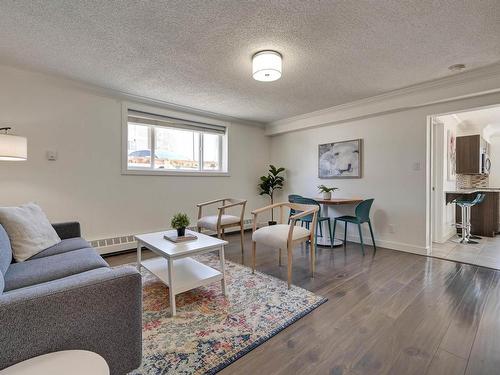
468	152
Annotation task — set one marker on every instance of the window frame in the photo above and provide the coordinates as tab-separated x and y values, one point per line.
223	150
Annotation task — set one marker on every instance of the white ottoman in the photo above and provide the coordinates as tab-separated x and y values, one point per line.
74	362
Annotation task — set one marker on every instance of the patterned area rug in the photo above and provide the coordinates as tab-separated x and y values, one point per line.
209	331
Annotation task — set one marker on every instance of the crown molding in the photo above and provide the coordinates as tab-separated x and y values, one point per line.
458	86
122	95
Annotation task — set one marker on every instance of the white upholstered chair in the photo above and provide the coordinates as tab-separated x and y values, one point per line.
285	236
221	221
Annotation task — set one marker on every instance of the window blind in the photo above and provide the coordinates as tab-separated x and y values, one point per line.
140	117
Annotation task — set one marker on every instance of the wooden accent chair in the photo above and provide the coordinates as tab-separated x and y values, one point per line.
221	221
285	236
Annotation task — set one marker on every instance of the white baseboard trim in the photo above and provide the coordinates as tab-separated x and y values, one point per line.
393	245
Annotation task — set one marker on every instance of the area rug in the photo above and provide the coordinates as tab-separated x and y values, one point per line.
209	331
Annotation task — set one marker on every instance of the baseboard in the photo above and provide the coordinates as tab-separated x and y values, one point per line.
113	246
393	245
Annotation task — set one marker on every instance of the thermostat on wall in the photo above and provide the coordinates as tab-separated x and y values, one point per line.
52	155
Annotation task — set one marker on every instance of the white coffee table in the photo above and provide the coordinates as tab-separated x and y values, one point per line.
180	272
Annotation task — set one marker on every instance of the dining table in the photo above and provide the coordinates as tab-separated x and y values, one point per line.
326	203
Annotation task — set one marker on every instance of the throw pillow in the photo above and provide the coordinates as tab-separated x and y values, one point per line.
29	230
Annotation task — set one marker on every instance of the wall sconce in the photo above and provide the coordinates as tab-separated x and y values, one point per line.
12	147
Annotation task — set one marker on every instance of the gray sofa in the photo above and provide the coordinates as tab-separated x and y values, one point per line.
67	297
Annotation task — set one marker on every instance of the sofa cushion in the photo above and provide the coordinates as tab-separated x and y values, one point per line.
5	251
29	230
52	267
63	247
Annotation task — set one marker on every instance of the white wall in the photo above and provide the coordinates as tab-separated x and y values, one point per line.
444	214
494	176
393	143
85	184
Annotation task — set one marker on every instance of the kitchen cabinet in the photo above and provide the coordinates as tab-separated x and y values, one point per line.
469	149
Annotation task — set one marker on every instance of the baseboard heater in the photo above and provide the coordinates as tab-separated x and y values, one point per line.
114	245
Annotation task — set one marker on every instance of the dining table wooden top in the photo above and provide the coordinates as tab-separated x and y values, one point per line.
338	201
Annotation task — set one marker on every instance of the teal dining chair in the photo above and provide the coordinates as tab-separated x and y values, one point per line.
362	215
292	198
307	220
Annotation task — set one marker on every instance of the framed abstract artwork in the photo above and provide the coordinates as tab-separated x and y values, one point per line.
451	156
340	159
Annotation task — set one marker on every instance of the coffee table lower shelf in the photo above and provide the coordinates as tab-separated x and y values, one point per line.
188	273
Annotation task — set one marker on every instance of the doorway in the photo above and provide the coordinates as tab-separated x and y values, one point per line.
465	171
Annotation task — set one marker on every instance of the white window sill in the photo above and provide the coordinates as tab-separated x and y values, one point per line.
146	172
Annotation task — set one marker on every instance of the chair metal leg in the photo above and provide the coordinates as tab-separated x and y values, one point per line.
345	237
361	239
373	238
320	230
330	232
334	228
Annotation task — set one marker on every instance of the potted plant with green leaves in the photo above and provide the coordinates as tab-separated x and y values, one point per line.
327	191
180	221
270	183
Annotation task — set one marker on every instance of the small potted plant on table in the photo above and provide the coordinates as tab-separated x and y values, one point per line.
180	221
327	191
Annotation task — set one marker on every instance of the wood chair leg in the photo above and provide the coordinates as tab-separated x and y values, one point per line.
223	234
242	240
279	261
289	258
218	232
361	239
198	229
254	250
373	238
313	256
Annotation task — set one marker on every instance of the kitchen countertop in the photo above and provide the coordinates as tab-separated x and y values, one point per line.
474	190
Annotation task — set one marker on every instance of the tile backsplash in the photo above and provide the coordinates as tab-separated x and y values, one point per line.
465	181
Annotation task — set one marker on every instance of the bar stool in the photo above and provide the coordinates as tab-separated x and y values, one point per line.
465	206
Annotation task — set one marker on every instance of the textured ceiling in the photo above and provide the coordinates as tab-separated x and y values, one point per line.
198	53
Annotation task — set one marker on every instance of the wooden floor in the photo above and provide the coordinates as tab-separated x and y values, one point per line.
392	313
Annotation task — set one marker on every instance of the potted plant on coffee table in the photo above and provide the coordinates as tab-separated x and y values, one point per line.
180	221
327	191
270	183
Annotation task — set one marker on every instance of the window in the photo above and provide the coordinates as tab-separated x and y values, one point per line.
159	144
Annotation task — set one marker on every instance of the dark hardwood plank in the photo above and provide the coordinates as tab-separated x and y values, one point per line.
485	355
445	363
464	323
392	312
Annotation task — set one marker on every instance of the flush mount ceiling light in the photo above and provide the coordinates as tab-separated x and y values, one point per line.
457	67
266	66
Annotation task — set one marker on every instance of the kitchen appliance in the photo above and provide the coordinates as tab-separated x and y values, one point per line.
485	163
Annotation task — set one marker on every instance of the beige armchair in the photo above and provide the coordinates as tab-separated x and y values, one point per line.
221	221
285	236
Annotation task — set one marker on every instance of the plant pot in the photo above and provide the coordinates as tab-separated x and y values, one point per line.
327	195
272	222
181	232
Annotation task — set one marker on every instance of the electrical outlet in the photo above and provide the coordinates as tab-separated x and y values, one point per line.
392	228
